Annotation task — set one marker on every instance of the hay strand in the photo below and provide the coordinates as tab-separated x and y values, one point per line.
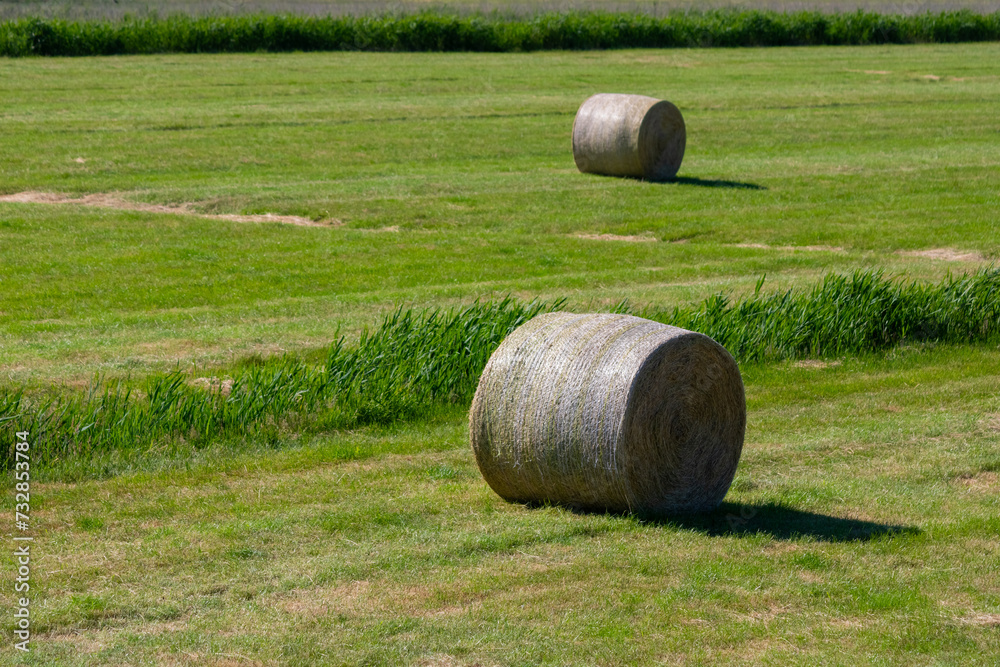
629	135
609	412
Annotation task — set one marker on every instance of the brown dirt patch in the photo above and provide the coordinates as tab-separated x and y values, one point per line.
944	254
112	201
616	237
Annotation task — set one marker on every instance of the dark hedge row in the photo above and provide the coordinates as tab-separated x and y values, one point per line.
438	32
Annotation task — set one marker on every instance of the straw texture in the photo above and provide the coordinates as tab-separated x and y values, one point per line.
609	412
629	135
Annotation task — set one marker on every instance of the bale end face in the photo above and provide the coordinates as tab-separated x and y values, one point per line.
662	140
684	427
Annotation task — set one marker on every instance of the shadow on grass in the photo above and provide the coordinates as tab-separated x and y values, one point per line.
693	180
710	183
781	523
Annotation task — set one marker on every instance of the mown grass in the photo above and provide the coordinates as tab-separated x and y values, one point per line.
432	31
443	179
862	523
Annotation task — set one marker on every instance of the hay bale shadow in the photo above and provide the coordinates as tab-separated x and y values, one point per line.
781	523
712	183
772	519
694	180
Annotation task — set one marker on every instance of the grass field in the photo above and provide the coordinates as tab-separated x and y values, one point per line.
862	525
439	179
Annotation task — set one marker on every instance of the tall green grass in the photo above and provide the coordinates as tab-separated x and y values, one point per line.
844	315
414	361
429	31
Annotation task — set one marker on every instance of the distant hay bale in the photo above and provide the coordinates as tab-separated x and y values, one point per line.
609	412
629	135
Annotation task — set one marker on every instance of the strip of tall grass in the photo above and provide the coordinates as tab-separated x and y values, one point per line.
415	361
845	315
411	362
430	31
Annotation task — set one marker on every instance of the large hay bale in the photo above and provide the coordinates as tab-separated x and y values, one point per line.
609	412
629	135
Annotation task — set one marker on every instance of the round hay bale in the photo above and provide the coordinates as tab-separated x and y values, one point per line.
629	135
609	412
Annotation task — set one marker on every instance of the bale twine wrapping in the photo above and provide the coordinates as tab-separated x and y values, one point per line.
629	135
609	412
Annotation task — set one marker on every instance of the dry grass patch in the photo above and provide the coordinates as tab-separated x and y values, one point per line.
444	660
316	602
209	660
987	620
224	385
82	643
808	577
167	627
993	422
944	254
641	238
766	615
790	248
983	482
114	201
815	363
849	623
362	598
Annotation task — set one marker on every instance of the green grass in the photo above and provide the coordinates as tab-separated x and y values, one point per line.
851	169
415	362
435	31
861	526
862	523
408	367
